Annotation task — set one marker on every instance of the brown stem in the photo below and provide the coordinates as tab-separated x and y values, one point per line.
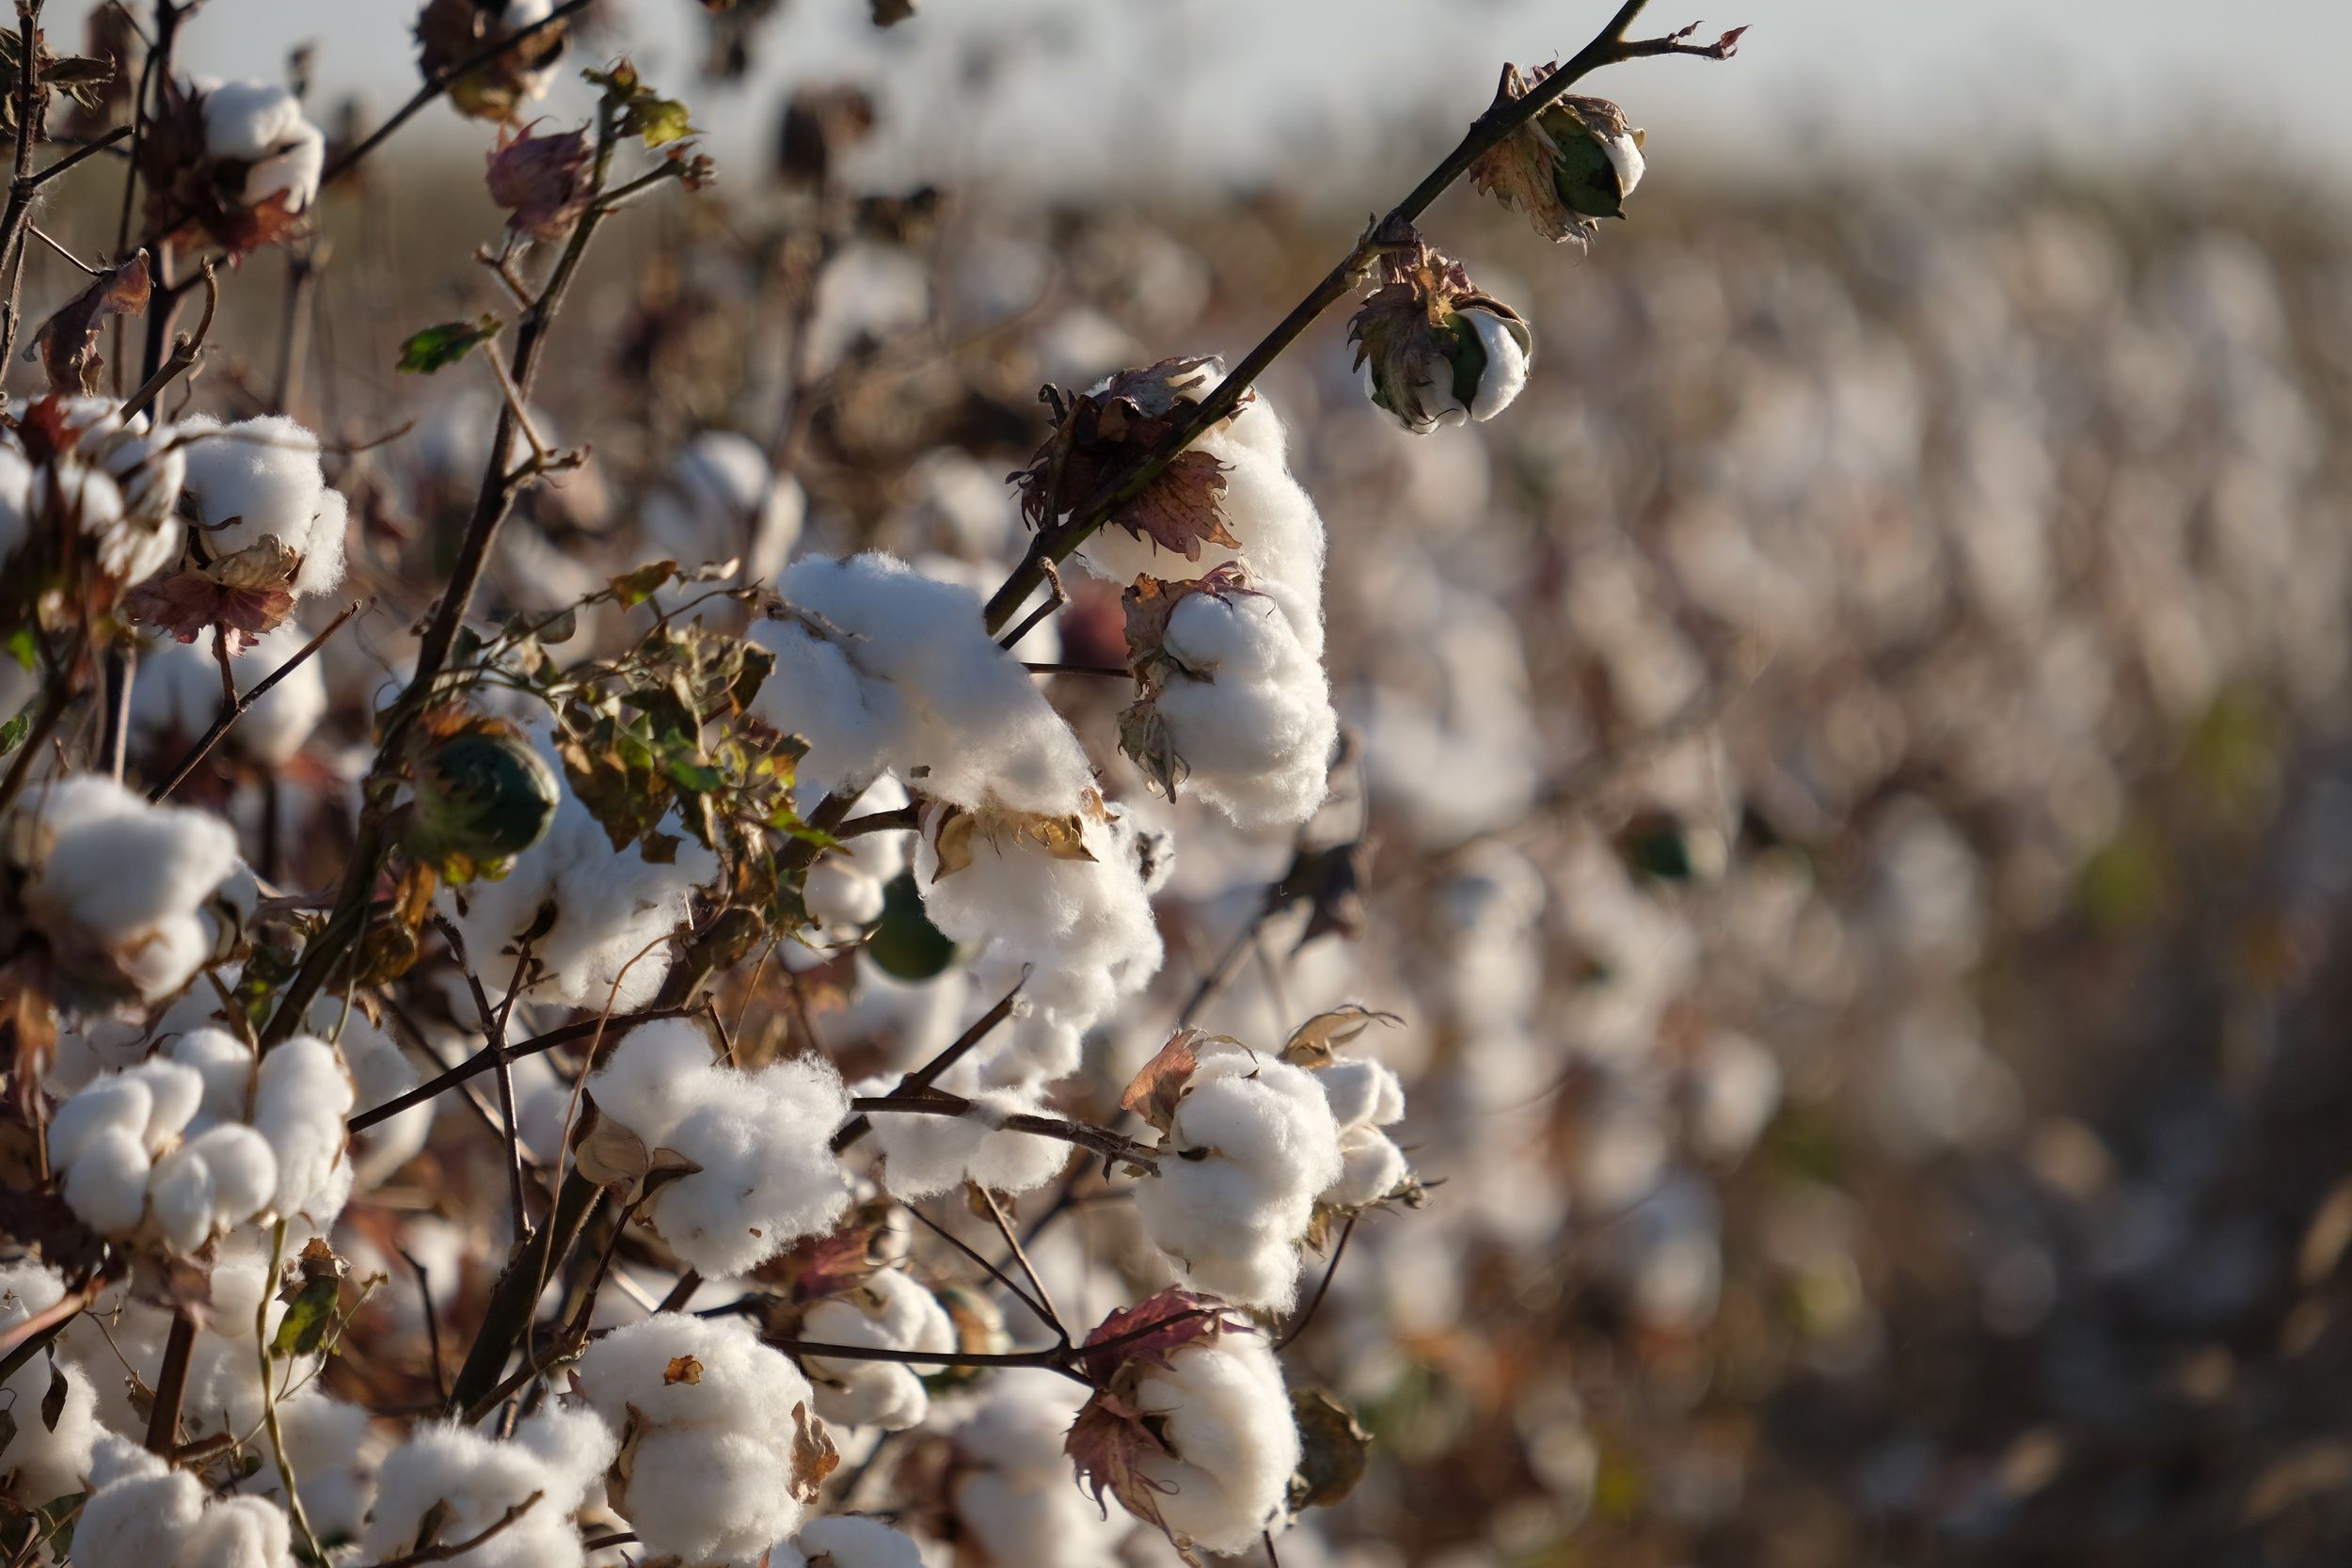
19	209
485	1059
922	1078
172	1385
512	1300
937	1103
186	349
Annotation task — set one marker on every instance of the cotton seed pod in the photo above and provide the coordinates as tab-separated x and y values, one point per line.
1438	351
483	795
1573	164
450	32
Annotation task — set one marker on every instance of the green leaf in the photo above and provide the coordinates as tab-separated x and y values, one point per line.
12	733
658	120
308	1318
20	646
428	350
690	775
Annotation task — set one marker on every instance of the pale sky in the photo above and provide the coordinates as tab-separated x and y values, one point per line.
1103	89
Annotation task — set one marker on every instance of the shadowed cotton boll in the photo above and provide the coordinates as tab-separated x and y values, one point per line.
261	126
177	696
260	478
721	501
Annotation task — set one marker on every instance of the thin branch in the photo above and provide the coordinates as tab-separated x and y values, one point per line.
922	1078
1055	541
432	1322
1040	1310
19	1342
881	822
186	349
230	714
938	1102
19	209
1021	1256
459	1549
171	1384
269	1396
488	1057
1105	671
1331	1273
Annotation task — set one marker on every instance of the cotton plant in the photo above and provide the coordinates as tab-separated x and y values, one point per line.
1247	1143
735	1166
718	1448
234	163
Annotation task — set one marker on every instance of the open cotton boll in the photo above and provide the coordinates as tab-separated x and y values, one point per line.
261	125
1226	1419
767	1175
116	884
42	1461
721	501
709	1417
846	888
1506	376
337	1451
302	1095
139	1511
1280	532
261	478
177	696
886	1311
1011	1489
846	1541
881	669
1247	709
558	1453
1364	1097
1249	1148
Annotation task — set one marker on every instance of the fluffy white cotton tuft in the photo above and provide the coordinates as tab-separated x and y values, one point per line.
118	884
260	125
886	1311
846	1541
41	1463
762	1139
143	1515
1013	1492
1364	1097
709	1417
261	478
301	1097
924	1155
1226	1419
177	695
1251	1145
559	1454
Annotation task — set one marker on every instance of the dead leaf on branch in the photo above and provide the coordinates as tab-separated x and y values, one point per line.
813	1456
1316	1042
1099	441
956	832
1155	1091
247	594
68	340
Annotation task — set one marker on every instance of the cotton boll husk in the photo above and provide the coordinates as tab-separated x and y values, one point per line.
238	1532
1257	735
847	1540
721	501
43	1464
301	1097
177	695
138	1519
1227	1416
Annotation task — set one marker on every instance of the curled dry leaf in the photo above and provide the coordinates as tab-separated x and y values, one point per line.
247	594
608	1153
955	833
1316	1042
1154	1092
69	340
813	1456
543	183
682	1369
1144	735
1333	1450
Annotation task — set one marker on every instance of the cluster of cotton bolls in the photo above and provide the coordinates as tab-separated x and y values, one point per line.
82	471
763	1174
142	1513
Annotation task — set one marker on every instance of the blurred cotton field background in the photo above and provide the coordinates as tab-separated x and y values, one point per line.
1843	787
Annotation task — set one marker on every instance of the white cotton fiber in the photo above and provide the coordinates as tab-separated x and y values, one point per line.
886	1311
261	125
846	1541
1013	1492
42	1463
1247	709
559	1454
1251	1145
301	1097
1227	1416
177	695
720	500
261	478
710	1416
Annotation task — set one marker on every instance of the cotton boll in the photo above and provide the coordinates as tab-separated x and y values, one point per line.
238	1532
301	1097
559	1454
1011	1490
42	1463
712	1416
261	478
721	501
337	1452
768	1176
1250	1146
242	1167
120	1102
884	1311
1227	1416
261	125
924	1155
1247	711
659	1074
1506	376
140	1517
